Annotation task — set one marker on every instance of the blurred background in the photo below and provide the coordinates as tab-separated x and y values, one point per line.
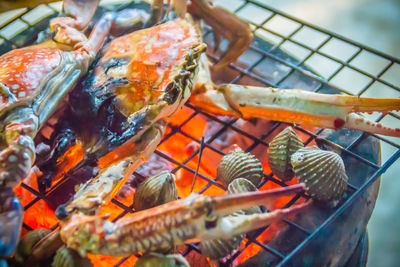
375	23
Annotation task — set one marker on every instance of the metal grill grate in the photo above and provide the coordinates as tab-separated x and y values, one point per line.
311	46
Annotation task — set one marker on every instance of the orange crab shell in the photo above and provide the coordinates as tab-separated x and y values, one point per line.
152	59
23	70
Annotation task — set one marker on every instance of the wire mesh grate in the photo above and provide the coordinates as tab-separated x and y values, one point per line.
311	46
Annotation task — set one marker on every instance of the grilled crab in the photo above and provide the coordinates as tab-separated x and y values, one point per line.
186	220
190	219
143	77
33	83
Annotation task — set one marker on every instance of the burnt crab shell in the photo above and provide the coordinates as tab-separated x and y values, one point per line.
138	82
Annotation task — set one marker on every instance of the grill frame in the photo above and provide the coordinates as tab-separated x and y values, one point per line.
247	71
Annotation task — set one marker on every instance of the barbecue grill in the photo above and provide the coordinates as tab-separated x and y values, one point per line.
278	58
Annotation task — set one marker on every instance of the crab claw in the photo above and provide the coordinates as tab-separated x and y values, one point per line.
297	106
80	11
193	218
69	30
11	214
227	204
237	31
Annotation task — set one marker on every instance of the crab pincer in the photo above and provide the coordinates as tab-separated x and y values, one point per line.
297	106
193	218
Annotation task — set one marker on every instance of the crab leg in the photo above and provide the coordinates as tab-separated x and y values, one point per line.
102	188
99	190
21	119
185	220
78	14
290	105
228	25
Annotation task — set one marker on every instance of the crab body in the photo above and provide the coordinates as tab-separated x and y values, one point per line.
142	78
38	78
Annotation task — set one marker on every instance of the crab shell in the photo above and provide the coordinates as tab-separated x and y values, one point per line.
149	73
35	77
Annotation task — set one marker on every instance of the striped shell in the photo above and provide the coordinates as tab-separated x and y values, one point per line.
66	257
241	185
239	164
280	150
219	248
155	190
160	260
27	242
322	172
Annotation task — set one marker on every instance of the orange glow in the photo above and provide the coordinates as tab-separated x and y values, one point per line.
66	162
180	147
118	154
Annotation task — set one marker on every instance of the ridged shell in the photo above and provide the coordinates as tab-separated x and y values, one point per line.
27	242
241	185
239	164
66	257
155	190
217	249
322	172
280	150
159	260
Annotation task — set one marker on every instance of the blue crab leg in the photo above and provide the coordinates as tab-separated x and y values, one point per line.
99	190
193	218
102	188
80	11
297	106
237	31
290	105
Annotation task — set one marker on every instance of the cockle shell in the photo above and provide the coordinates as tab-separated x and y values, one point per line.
322	172
27	242
241	185
155	190
66	257
220	248
160	260
238	164
280	150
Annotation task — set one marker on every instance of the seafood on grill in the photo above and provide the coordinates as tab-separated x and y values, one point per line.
119	115
66	257
155	190
322	172
193	218
280	150
155	259
220	248
33	84
239	164
26	244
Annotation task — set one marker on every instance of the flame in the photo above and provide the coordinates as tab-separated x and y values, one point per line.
181	147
